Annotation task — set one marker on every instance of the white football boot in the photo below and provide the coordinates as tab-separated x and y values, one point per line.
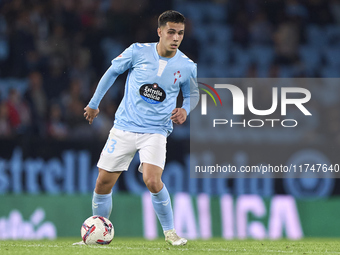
172	238
79	243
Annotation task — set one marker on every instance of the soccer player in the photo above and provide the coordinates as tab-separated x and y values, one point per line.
145	116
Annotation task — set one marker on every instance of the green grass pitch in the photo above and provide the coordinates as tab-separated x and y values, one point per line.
63	246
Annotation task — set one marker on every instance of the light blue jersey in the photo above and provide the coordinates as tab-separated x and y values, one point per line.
151	88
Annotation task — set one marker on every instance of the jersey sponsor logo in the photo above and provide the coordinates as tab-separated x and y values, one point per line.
152	93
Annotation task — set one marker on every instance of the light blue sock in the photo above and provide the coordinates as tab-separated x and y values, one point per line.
162	205
102	204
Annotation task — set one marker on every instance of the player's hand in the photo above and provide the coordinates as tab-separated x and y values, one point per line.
90	114
179	115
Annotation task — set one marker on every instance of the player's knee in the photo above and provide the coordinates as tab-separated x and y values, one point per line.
153	184
103	182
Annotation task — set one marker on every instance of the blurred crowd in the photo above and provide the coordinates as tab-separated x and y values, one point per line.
61	48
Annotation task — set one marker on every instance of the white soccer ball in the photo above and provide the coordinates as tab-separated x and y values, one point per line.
97	230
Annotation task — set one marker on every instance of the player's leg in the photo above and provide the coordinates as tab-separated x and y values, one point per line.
102	195
161	202
115	158
159	195
152	151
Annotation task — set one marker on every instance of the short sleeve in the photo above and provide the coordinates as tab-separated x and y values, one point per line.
124	61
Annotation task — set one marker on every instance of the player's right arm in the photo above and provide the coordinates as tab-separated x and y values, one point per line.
90	114
118	66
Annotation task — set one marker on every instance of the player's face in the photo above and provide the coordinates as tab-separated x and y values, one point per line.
170	37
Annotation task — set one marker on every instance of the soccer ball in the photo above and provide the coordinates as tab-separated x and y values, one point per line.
97	230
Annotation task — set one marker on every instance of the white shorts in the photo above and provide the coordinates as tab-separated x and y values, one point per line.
121	147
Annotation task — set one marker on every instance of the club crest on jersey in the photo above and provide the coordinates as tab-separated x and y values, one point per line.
177	76
152	93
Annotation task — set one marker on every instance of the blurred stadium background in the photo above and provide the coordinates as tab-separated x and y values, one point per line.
53	53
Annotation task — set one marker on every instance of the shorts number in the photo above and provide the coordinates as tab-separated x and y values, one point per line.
110	145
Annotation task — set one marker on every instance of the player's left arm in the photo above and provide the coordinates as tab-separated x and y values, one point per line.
178	116
190	98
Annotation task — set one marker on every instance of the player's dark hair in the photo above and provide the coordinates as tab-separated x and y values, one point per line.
170	16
